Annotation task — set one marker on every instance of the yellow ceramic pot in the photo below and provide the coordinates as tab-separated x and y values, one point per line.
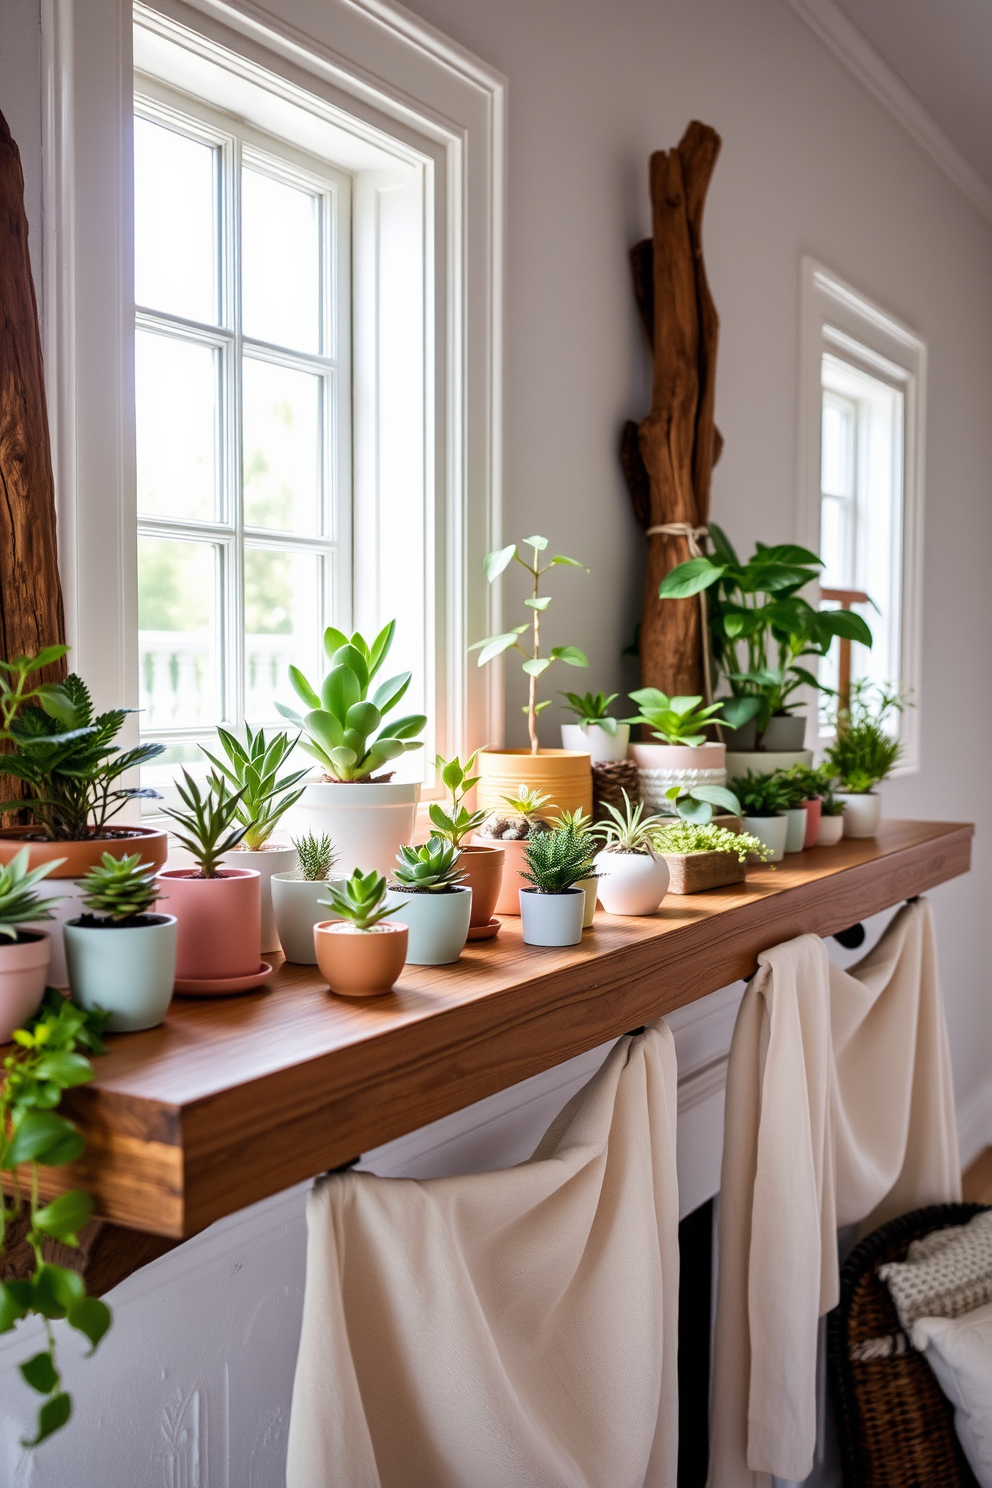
563	774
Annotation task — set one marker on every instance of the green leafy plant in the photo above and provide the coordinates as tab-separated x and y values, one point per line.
18	901
456	823
864	753
345	730
534	664
627	830
760	795
559	859
679	720
801	784
694	803
757	606
590	707
47	1059
63	754
120	889
316	854
431	868
210	822
360	899
696	837
253	769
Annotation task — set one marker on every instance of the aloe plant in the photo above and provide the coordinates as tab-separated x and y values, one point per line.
210	824
432	867
360	899
120	889
18	901
344	728
253	769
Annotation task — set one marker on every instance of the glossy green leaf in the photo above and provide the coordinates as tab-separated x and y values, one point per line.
389	693
43	1137
560	558
379	649
571	654
535	665
352	660
538	604
540	543
495	646
334	639
89	1316
56	1290
67	1069
40	1373
15	1299
65	1216
494	563
688	578
302	688
52	1417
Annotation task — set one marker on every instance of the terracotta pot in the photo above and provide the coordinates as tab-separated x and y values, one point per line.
831	831
274	857
360	963
660	766
482	866
631	883
511	878
23	978
368	821
563	774
219	922
813	811
80	857
593	740
862	812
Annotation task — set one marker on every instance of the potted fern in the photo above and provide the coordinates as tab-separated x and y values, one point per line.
594	732
481	863
864	754
299	897
345	728
518	818
429	897
552	906
357	952
25	950
218	908
121	955
633	877
763	803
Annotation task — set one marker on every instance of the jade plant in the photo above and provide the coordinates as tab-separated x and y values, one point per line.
119	891
431	868
360	899
210	822
18	900
627	830
344	729
316	856
534	664
522	818
559	859
864	752
457	779
694	803
590	707
761	795
48	1057
684	837
253	769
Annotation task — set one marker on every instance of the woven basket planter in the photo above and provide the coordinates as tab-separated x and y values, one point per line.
694	873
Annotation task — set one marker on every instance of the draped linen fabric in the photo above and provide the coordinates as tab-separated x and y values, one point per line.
840	1110
514	1329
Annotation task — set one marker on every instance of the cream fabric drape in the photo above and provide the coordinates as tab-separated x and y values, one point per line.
515	1329
840	1110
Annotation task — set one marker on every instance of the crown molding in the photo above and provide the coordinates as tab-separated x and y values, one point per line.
847	43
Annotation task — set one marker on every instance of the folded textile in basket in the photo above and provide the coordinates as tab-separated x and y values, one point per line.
947	1273
515	1329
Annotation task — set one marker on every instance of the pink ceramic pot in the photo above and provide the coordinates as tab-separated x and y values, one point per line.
813	811
23	976
220	922
512	881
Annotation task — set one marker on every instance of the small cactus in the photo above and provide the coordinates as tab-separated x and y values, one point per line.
120	888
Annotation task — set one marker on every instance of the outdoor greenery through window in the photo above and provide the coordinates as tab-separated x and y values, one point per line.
242	386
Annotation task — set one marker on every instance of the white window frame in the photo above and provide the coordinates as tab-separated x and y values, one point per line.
837	319
365	62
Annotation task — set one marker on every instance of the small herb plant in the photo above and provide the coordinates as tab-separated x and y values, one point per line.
830	806
864	753
253	769
431	868
695	837
761	795
120	891
679	720
345	729
317	856
456	823
46	1060
801	784
18	901
534	664
360	899
210	822
558	860
629	830
590	707
694	803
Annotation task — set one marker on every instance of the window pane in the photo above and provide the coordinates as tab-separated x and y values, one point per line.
281	421
176	427
837	448
178	633
283	624
280	262
175	253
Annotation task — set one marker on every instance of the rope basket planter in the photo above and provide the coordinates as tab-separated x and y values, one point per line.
895	1426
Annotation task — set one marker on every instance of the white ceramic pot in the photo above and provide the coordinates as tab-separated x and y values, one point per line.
763	762
274	857
552	919
367	822
590	887
438	924
69	904
297	908
830	832
128	971
771	830
660	766
795	828
23	977
597	742
784	732
862	813
631	883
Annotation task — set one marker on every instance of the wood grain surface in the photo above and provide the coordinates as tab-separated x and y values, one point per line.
231	1100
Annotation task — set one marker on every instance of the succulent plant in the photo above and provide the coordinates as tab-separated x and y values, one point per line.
558	859
210	823
360	899
430	868
629	831
120	888
590	707
254	770
18	901
316	854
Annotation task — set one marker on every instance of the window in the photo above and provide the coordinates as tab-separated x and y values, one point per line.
861	492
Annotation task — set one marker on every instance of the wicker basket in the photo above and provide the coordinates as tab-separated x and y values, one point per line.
895	1427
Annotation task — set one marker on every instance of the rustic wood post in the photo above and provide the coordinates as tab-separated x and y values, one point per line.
845	598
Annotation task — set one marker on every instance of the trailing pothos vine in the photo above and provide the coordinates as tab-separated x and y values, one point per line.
47	1059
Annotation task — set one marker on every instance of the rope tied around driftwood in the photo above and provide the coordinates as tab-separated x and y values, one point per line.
692	535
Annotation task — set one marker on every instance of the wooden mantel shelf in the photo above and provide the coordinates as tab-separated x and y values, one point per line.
231	1100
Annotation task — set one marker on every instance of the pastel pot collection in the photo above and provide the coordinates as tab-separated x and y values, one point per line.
795	829
438	924
511	878
814	811
81	856
552	919
360	963
631	883
128	971
563	774
367	821
273	858
482	867
862	813
660	766
598	743
65	899
296	904
23	978
218	935
830	831
771	830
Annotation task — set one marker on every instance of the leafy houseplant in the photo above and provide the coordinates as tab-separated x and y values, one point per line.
128	975
552	908
434	903
803	789
24	953
358	953
694	803
678	753
46	1060
764	802
680	720
481	862
590	708
633	879
456	823
432	868
595	731
298	900
863	754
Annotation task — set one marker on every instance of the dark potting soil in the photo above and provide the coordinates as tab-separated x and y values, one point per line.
136	922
